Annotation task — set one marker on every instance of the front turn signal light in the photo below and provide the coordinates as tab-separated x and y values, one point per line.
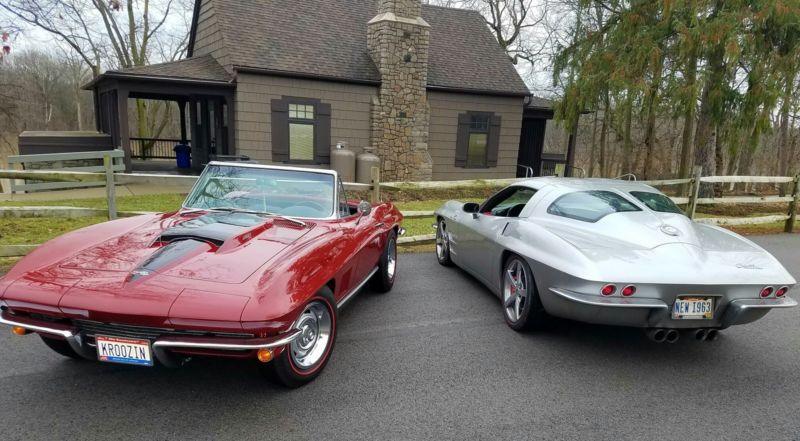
19	330
265	355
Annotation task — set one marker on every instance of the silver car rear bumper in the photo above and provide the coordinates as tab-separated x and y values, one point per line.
655	313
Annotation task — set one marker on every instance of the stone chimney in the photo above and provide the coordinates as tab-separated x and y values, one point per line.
398	42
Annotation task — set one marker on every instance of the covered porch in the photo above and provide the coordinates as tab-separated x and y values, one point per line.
199	87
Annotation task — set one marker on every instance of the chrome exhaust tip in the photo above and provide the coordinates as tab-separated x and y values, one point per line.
700	334
712	335
673	336
657	335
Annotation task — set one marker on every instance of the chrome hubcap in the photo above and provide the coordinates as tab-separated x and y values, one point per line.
391	262
315	325
515	289
441	242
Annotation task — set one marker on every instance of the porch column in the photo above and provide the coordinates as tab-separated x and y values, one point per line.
182	110
231	125
124	131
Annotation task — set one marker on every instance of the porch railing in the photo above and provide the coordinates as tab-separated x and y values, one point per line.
153	148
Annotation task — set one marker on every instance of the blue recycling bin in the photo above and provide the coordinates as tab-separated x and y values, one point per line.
183	153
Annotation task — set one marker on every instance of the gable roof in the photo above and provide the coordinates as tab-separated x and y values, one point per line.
328	39
198	68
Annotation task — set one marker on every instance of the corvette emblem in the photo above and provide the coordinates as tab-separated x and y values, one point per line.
670	230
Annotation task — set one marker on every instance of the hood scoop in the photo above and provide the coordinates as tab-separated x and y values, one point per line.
170	256
214	228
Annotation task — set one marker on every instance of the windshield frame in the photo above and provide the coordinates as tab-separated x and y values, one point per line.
334	214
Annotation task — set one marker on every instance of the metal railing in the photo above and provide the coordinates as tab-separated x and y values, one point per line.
153	148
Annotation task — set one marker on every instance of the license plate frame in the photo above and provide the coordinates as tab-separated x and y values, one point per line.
122	350
697	308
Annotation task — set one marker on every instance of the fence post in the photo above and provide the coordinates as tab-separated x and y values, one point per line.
375	178
694	191
789	228
111	190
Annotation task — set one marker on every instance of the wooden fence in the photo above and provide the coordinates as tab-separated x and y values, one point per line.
692	199
67	163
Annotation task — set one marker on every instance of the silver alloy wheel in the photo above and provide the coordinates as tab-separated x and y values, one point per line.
391	261
316	325
442	242
515	289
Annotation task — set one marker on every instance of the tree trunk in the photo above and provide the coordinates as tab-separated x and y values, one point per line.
627	151
593	148
604	139
704	153
652	108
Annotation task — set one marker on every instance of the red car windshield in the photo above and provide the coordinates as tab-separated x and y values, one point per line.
294	193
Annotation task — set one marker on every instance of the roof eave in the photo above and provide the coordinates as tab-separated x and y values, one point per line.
308	76
156	78
452	89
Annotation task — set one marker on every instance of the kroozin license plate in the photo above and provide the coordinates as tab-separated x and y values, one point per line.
693	308
124	350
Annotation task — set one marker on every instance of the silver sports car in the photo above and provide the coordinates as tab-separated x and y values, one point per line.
609	252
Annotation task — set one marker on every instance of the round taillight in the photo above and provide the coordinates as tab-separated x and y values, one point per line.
782	292
629	291
766	292
609	289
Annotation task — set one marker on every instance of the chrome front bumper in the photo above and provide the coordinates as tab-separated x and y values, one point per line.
161	346
649	312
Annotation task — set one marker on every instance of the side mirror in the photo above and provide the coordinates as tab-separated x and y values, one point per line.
471	207
364	208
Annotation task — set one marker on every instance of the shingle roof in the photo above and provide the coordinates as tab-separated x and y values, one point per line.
465	55
204	68
329	39
540	103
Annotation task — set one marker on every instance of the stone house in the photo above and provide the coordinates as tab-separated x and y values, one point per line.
282	82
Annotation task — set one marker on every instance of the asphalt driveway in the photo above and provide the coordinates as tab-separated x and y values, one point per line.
433	359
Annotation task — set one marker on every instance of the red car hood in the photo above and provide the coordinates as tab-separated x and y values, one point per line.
219	247
144	275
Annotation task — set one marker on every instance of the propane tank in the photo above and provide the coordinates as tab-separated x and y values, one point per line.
365	162
344	162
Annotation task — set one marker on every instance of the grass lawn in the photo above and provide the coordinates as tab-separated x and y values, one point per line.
150	202
37	230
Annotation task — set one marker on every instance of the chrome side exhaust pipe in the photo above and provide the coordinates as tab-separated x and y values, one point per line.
712	335
657	335
673	336
700	334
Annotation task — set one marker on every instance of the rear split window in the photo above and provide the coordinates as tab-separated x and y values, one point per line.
590	206
656	202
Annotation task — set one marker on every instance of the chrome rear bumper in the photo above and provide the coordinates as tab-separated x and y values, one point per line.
161	346
656	313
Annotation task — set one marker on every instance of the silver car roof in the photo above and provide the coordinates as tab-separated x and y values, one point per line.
568	184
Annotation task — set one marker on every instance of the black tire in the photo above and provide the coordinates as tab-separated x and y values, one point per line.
529	314
383	280
61	347
442	244
285	370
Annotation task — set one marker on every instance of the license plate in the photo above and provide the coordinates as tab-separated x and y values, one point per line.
693	308
124	350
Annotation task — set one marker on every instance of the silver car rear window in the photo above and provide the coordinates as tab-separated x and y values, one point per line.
590	206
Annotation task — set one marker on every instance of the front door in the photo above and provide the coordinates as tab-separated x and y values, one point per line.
480	251
531	145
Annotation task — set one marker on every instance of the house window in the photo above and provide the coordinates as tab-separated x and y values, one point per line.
478	140
301	130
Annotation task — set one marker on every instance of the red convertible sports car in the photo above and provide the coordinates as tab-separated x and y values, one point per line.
255	265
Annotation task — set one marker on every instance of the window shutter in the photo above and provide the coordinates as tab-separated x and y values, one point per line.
322	135
493	143
462	140
280	130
